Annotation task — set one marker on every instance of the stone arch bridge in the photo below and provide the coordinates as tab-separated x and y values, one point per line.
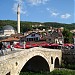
34	59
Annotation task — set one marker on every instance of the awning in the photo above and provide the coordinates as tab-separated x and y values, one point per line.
68	44
54	44
10	39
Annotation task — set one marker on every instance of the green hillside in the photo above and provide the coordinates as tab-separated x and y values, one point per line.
25	26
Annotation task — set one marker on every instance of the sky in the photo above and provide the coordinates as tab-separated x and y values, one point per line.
61	11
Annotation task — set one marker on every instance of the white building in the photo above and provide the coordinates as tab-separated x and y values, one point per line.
7	31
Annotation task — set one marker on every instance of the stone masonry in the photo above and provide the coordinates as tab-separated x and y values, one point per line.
13	63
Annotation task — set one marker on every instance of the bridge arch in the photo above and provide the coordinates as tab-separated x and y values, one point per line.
16	61
42	59
56	63
35	64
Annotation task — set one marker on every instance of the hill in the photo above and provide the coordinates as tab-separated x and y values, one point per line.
25	26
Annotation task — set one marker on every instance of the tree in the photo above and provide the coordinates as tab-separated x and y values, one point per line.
68	36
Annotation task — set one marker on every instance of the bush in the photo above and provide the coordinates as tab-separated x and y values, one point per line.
55	72
71	66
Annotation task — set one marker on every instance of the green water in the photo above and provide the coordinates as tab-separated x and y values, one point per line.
55	72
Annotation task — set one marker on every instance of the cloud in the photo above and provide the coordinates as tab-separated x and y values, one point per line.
54	14
36	2
66	16
48	9
21	2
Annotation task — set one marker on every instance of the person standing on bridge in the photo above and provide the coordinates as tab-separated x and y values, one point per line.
1	45
12	46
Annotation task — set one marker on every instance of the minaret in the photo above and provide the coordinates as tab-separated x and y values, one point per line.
18	18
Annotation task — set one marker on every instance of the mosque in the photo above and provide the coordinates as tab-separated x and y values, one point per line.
7	30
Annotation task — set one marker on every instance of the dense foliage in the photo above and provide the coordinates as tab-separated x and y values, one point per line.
25	26
68	66
57	25
68	36
55	72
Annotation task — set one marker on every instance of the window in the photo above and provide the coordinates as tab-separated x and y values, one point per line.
49	39
33	35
